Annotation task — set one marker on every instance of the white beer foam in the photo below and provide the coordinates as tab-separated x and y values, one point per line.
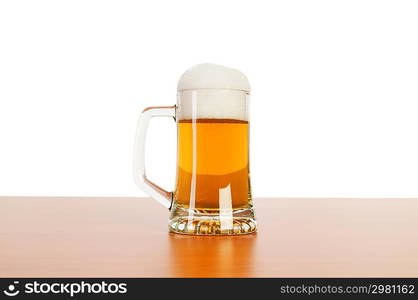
211	76
213	92
212	104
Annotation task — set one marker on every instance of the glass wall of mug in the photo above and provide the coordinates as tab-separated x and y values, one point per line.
213	189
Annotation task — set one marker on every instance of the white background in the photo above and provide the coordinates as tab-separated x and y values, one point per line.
334	102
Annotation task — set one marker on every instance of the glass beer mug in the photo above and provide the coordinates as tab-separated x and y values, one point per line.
212	195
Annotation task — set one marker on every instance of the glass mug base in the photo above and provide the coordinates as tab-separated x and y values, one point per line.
212	222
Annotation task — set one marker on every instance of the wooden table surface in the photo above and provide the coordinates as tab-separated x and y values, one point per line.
127	237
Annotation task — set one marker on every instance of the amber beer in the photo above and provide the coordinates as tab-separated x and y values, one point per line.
212	164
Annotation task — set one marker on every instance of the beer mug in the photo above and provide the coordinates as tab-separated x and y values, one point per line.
212	195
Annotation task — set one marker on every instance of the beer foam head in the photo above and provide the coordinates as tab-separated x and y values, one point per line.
211	76
209	91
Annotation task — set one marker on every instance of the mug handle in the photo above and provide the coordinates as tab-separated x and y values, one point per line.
149	187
